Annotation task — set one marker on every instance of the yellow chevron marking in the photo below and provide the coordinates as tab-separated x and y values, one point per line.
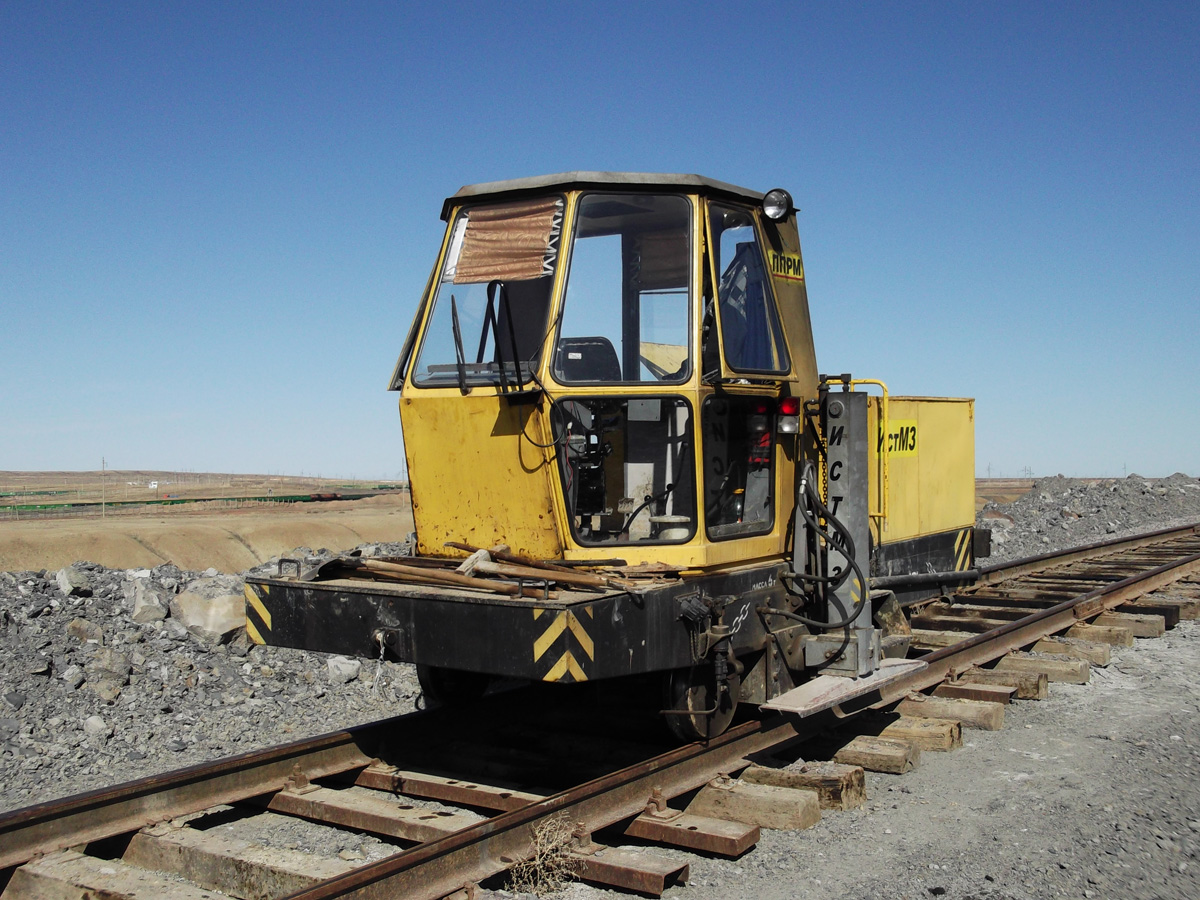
591	612
962	548
257	606
566	665
580	635
537	612
563	621
855	590
549	636
253	633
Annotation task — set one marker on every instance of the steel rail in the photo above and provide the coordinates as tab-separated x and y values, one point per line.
58	824
1029	564
441	867
993	644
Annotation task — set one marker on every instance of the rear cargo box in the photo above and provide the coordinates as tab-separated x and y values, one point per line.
927	457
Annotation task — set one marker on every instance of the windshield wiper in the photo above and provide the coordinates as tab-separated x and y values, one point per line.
491	321
460	358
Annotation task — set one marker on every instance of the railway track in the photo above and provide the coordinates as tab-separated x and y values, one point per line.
460	810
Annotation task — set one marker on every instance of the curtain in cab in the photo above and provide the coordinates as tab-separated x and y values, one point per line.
513	242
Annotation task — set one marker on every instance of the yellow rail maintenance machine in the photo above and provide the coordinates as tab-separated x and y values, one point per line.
625	463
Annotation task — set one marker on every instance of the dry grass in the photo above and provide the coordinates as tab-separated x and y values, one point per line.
550	864
134	485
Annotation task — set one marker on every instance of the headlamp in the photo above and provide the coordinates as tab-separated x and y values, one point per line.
777	204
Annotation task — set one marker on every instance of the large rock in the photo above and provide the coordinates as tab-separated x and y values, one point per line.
96	727
85	631
212	609
111	662
175	630
147	601
73	676
342	670
73	581
108	673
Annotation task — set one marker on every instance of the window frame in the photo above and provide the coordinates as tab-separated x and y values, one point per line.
693	290
434	295
736	533
689	438
727	370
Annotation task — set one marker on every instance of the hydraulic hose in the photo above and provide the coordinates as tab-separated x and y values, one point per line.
555	441
842	541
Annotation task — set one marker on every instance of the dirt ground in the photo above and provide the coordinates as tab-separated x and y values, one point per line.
1000	490
1091	794
142	485
230	541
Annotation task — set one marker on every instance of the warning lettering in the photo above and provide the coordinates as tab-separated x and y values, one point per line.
786	266
901	438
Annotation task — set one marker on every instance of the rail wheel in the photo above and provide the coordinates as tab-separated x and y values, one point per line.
451	687
708	709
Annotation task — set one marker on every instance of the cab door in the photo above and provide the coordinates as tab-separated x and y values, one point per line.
747	369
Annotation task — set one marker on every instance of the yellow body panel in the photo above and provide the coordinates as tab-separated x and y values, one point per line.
474	478
477	480
787	276
931	459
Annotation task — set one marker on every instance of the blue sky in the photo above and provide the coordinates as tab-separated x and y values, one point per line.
216	219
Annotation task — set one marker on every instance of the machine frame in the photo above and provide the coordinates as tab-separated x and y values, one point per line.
552	446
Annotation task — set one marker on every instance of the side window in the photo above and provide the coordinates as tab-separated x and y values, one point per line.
750	331
739	466
627	309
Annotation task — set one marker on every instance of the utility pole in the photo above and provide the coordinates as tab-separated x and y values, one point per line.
103	466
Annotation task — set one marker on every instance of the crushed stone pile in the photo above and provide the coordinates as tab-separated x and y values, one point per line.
1060	513
107	675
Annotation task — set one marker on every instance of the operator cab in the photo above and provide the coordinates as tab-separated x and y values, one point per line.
625	339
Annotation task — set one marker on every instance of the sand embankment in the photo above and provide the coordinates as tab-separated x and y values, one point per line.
228	540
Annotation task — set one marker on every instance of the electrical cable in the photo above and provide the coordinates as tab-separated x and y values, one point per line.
650	498
555	441
562	439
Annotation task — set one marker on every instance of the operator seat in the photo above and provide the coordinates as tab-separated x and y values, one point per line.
587	359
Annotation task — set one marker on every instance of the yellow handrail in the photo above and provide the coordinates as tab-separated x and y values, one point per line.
883	446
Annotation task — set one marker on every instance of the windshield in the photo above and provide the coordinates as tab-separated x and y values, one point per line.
627	310
493	295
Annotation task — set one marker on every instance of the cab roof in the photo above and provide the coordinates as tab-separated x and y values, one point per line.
566	181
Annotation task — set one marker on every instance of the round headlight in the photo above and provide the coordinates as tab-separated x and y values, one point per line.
777	204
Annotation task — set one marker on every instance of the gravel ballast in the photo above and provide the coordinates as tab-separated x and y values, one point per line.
1059	513
1087	794
89	696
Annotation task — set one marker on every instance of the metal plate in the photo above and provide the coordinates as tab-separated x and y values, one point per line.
827	691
